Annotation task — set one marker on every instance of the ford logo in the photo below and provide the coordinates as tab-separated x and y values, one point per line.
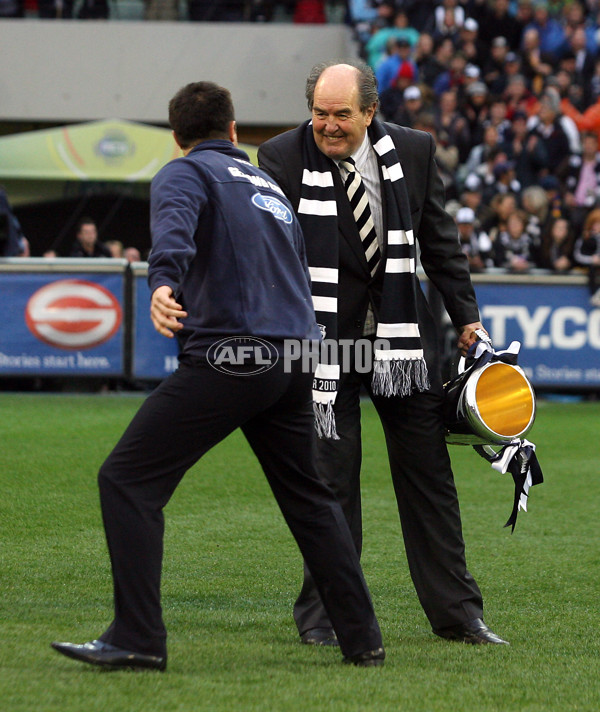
279	210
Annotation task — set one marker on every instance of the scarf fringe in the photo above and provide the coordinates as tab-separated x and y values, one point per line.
399	377
325	420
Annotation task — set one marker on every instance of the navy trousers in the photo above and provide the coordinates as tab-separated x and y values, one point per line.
425	493
190	412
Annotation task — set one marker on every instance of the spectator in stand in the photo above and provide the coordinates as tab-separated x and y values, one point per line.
527	154
584	59
568	85
161	10
385	11
568	125
431	66
512	66
553	189
574	16
12	8
476	244
502	206
406	114
518	97
551	34
506	182
496	20
557	246
477	96
589	120
524	14
480	154
498	116
547	129
389	69
446	156
536	65
453	77
391	99
115	247
582	181
263	10
423	56
475	105
96	9
594	87
449	18
451	126
494	68
55	9
132	254
421	14
512	245
471	197
12	241
587	254
309	12
535	204
469	44
362	16
211	11
381	44
86	243
25	248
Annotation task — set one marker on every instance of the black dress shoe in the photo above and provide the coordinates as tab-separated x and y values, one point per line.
370	658
319	636
475	632
99	653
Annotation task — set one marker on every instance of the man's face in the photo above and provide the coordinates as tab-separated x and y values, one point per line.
339	125
87	235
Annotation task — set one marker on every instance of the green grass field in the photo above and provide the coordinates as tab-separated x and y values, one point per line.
232	571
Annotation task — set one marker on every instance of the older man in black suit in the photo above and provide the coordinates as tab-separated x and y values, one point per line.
361	220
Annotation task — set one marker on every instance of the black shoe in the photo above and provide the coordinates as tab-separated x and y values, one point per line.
475	632
319	636
370	658
99	653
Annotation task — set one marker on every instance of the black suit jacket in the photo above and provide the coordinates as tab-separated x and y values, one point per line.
435	231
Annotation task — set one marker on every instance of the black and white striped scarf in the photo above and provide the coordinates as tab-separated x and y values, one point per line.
399	369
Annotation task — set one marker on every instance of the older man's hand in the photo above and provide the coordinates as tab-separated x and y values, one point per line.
468	336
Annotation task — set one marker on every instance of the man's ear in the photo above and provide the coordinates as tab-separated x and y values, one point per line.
233	133
370	113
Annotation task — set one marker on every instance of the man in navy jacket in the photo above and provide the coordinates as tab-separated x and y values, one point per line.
228	277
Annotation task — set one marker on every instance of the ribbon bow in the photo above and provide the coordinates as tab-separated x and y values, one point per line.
519	458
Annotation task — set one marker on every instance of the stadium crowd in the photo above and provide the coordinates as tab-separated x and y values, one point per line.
301	11
510	90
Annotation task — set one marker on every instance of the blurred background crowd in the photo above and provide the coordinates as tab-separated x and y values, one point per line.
509	89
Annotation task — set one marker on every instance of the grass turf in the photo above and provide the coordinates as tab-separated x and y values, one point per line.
232	571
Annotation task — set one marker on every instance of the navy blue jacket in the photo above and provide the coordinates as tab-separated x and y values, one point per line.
226	240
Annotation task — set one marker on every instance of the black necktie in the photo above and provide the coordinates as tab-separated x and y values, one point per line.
357	195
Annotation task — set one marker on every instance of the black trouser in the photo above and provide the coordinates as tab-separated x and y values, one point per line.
190	412
425	493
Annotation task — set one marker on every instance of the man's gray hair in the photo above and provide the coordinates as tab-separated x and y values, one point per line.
367	84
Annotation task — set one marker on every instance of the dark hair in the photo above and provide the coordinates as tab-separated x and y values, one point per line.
86	221
199	111
365	77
